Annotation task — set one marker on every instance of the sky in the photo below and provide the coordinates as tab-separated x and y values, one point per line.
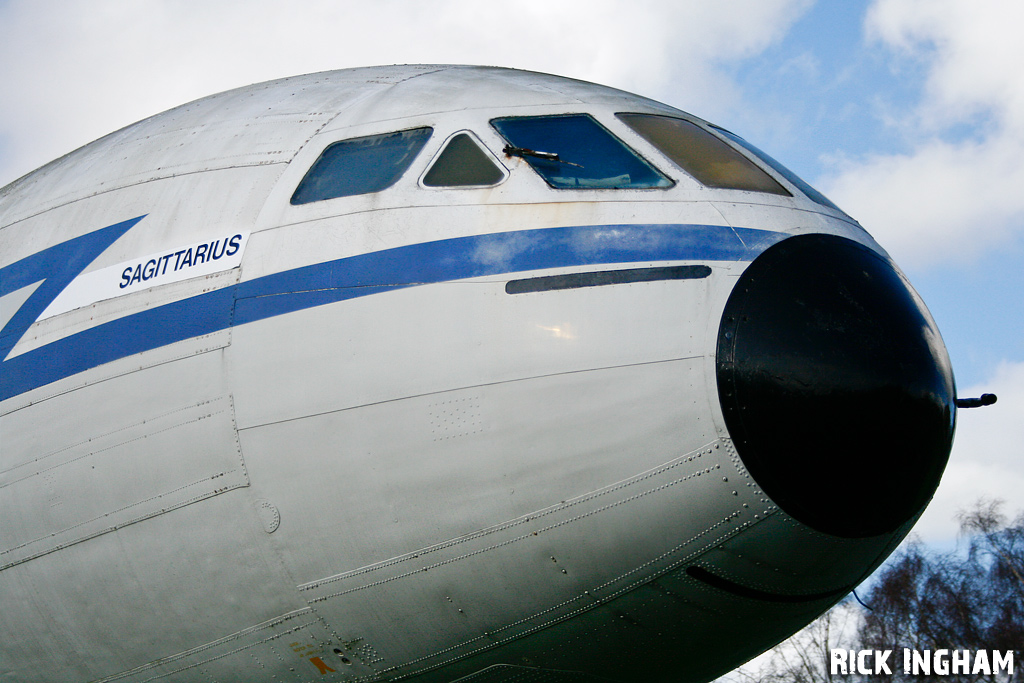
908	114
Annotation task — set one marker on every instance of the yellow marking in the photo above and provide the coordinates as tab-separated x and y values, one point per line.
320	665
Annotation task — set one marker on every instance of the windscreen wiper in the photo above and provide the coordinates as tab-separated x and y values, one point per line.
523	152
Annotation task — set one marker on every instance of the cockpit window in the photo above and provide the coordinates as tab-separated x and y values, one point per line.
462	163
574	151
704	156
360	165
811	193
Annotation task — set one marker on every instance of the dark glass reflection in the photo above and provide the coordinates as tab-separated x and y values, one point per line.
574	151
360	165
463	164
707	158
811	193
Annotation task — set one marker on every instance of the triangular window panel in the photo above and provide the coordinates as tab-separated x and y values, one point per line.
463	164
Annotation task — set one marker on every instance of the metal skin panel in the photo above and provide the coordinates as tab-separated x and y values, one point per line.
159	576
462	481
356	456
468	333
194	445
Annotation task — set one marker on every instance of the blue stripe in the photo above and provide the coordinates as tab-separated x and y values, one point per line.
56	266
365	274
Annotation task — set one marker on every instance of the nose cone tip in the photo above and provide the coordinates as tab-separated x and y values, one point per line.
835	386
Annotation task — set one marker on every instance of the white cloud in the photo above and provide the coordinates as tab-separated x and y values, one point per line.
986	457
950	197
975	53
76	69
944	201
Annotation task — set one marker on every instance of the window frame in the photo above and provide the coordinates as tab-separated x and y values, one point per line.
776	166
505	172
422	144
743	154
672	182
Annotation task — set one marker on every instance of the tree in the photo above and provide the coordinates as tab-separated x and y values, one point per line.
804	658
971	598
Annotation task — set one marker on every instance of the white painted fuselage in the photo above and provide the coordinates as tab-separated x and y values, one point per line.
331	445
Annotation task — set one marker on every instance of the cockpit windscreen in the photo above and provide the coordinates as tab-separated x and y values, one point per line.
707	158
574	151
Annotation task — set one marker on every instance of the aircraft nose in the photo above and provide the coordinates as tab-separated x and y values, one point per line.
835	386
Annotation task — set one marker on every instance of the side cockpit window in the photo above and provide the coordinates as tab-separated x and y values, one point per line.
811	193
707	158
463	163
574	151
360	165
